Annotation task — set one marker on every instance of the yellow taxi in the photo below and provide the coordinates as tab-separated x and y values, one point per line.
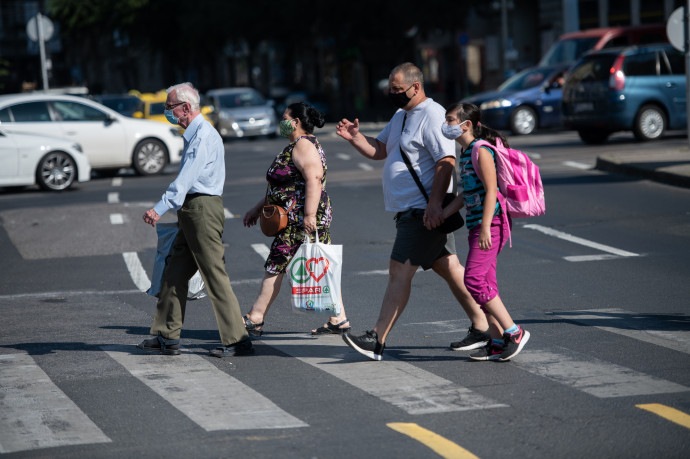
153	106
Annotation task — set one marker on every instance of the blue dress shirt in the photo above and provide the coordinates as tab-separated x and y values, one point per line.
202	168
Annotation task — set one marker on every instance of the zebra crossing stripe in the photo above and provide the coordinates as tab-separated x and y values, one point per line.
35	413
206	395
399	383
651	328
595	377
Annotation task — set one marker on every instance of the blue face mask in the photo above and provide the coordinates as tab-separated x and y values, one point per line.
170	117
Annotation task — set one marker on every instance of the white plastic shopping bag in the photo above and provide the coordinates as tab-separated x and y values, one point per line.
166	237
315	277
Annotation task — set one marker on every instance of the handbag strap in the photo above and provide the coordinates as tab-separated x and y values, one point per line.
409	164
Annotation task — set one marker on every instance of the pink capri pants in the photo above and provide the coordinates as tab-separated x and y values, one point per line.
480	268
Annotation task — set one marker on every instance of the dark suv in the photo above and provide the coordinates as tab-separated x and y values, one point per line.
621	89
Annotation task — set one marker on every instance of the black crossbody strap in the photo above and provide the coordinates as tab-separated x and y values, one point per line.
409	164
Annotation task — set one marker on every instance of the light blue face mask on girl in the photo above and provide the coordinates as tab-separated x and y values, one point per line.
170	117
452	132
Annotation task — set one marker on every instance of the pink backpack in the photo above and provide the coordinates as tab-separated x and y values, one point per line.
521	191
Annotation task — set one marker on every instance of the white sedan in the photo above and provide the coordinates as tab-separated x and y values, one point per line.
110	140
52	163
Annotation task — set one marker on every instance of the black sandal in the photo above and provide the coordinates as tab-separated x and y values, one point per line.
251	327
332	329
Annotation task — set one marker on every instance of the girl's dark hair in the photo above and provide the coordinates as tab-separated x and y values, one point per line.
307	115
471	112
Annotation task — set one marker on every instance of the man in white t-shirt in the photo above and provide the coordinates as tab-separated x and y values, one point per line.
416	129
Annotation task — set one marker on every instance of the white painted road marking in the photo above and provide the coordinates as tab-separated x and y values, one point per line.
262	250
343	156
206	395
136	271
595	377
116	219
228	214
634	325
113	198
35	413
365	167
578	240
409	388
117	181
577	165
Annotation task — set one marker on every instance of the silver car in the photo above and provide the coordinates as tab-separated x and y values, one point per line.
242	112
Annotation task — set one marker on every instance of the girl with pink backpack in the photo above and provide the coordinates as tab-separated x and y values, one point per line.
488	222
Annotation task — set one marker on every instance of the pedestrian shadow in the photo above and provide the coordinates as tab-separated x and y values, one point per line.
623	320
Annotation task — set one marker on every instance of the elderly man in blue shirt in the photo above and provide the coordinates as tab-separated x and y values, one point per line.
196	195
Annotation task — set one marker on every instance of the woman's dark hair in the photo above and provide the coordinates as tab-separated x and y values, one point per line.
307	115
471	112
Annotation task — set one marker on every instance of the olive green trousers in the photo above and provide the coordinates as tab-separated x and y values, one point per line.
198	245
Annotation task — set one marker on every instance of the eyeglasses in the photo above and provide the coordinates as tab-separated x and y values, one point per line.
170	107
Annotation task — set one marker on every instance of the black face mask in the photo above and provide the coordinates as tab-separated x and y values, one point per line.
400	99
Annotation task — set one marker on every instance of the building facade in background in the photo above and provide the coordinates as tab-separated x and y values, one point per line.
493	40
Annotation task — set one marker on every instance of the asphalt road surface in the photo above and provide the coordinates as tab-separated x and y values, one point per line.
600	281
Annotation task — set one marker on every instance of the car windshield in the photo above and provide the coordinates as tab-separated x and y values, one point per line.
525	80
591	69
157	108
241	99
124	105
567	51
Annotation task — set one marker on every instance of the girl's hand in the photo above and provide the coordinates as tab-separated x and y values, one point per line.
485	239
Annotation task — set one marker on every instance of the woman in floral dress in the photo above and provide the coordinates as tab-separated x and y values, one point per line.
297	176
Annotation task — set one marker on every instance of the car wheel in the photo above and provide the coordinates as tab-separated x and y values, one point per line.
650	123
56	171
150	157
593	136
523	121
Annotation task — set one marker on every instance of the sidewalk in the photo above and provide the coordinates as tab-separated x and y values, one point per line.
671	166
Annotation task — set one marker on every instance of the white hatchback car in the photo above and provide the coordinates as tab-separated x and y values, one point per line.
52	163
109	139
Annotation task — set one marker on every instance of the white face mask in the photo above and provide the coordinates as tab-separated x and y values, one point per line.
454	131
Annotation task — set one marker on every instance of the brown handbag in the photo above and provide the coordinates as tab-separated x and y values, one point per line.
273	218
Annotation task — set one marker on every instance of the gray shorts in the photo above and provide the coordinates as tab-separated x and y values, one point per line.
416	243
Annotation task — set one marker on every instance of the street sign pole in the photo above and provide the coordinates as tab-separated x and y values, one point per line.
42	48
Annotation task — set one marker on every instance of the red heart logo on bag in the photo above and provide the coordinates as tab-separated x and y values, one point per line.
317	261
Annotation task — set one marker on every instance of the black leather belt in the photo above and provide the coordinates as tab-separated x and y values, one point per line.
196	195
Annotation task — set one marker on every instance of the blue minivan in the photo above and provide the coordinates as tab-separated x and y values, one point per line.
637	88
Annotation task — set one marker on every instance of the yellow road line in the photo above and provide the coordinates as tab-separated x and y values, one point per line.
667	412
441	446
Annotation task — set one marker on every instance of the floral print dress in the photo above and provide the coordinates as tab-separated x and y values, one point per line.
285	186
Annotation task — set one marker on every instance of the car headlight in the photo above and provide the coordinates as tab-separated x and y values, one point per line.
77	147
496	103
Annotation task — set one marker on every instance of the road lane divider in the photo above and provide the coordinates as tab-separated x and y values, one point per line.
401	384
578	240
117	181
438	444
668	413
576	165
113	197
205	394
116	219
35	413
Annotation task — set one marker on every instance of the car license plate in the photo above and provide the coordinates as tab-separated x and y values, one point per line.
584	107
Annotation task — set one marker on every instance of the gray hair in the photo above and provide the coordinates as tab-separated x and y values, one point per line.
186	93
410	72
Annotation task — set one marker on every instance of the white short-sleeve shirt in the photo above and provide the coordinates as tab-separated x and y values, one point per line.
424	145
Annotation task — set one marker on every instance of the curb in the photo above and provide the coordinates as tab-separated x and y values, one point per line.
648	171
